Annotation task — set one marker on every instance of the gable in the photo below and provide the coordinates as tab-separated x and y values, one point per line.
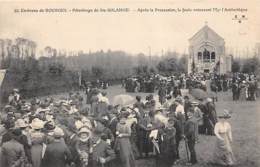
206	34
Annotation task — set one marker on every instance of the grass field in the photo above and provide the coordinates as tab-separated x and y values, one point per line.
245	124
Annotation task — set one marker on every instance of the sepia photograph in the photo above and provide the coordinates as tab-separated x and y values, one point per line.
140	83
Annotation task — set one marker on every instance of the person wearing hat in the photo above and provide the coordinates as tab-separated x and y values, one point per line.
57	153
123	144
37	139
243	91
190	131
162	92
83	145
187	105
223	153
107	134
13	153
14	98
48	129
167	144
94	104
102	107
140	105
176	92
101	154
209	117
24	138
9	124
179	114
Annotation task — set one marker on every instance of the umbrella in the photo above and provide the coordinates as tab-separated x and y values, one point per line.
123	100
199	94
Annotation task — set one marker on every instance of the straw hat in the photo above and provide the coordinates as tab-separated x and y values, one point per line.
58	132
50	125
37	124
209	100
178	99
20	123
16	90
226	114
149	125
84	130
194	103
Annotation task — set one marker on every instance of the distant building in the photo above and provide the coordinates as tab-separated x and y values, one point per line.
207	53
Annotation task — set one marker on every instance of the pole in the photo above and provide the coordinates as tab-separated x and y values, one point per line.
187	149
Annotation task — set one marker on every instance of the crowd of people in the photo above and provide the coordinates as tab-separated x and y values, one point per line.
151	83
244	87
67	132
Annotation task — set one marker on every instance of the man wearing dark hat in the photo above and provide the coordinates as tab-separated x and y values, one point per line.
9	125
57	153
210	117
190	137
162	92
101	154
12	151
140	105
187	105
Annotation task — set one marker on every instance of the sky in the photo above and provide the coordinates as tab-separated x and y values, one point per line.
133	32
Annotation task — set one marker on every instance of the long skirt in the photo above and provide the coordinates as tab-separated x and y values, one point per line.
243	94
126	153
36	151
223	154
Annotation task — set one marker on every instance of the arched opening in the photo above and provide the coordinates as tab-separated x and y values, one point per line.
213	56
206	56
199	56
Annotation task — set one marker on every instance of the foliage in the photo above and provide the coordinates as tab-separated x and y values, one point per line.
173	65
236	66
250	65
97	71
58	70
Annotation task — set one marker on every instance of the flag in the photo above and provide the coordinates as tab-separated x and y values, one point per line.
2	76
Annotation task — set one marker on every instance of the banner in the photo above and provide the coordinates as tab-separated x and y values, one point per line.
2	76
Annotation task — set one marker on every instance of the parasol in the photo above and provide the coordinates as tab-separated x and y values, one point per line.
199	94
123	100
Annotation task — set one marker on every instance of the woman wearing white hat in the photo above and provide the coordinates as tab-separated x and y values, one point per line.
37	138
83	146
223	151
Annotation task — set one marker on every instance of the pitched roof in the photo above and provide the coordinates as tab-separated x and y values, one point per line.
205	30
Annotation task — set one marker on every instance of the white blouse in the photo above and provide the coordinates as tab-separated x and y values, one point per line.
221	128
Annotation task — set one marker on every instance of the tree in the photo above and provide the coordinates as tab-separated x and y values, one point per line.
250	65
236	66
182	63
97	71
169	66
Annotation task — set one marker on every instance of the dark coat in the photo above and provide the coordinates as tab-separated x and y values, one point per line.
12	153
167	143
101	149
190	129
57	155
